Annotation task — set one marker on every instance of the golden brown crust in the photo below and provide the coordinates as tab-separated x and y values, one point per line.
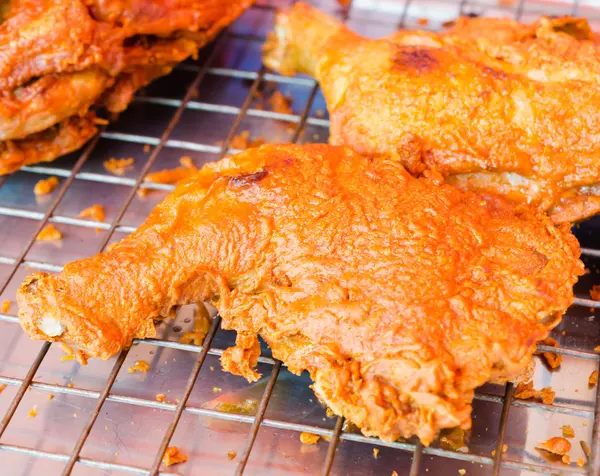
47	145
492	104
398	295
60	58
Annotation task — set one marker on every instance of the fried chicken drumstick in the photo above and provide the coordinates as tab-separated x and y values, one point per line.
59	58
492	104
399	295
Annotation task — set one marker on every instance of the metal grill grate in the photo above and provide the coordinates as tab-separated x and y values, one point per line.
216	98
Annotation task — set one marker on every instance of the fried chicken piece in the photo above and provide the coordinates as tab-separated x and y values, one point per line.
492	104
60	58
399	295
47	145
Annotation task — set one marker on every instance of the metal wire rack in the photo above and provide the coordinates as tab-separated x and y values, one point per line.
101	420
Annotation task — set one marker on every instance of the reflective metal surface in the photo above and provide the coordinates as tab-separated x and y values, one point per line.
102	420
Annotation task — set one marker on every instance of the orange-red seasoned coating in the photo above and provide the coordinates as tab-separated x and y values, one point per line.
399	295
491	104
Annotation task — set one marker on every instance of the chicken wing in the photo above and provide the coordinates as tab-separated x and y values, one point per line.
492	104
399	295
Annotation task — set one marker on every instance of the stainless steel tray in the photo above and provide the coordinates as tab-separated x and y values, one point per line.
106	421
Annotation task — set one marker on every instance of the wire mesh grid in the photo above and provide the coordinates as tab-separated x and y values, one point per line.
84	413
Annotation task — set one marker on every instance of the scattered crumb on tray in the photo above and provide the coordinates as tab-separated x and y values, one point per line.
69	354
567	431
49	233
146	148
586	449
46	186
504	450
143	192
139	366
556	445
70	385
99	121
200	329
593	379
2	387
462	472
580	462
597	348
553	360
216	390
320	113
525	391
33	412
422	21
118	166
243	141
566	459
161	397
96	212
595	292
173	456
50	396
5	306
280	103
375	452
394	473
309	438
187	162
231	454
329	412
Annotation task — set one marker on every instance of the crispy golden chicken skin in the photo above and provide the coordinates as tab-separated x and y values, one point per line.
59	58
492	104
399	295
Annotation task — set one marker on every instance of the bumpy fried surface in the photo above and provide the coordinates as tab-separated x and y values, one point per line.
59	58
47	145
492	104
399	295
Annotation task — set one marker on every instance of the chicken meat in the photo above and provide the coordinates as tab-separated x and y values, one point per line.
491	104
399	295
60	58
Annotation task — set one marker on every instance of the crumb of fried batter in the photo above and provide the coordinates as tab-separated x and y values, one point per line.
556	445
243	141
69	354
216	389
173	456
586	449
375	452
5	306
161	397
100	121
33	412
422	21
567	431
566	459
50	396
552	359
70	385
580	462
231	454
320	113
2	387
118	166
597	348
139	366
146	148
46	186
280	103
96	212
525	391
170	176
309	438
595	292
201	327
186	161
462	472
49	233
143	192
345	3
593	379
